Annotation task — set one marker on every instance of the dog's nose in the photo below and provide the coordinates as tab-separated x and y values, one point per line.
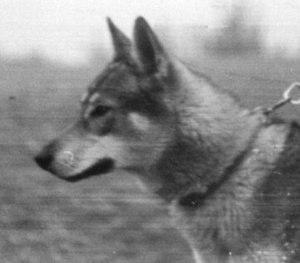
44	158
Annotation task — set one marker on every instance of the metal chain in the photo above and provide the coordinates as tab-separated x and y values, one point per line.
287	98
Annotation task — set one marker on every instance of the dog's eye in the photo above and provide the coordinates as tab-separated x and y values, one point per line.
100	111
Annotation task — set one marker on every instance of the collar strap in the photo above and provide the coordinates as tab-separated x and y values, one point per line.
196	199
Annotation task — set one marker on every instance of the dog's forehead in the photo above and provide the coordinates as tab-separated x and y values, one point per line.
116	80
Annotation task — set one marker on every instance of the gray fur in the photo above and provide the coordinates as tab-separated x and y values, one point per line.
230	176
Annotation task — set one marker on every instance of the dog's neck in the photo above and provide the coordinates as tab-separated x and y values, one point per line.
214	132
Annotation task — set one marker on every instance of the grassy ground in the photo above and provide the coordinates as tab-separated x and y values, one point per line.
108	219
102	220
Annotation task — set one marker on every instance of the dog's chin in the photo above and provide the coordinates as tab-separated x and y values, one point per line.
103	166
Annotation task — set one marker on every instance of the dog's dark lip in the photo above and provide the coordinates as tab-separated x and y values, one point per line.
101	167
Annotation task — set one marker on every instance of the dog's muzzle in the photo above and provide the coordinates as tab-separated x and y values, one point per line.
45	157
45	160
103	166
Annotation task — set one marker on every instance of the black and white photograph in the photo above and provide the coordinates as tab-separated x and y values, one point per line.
162	131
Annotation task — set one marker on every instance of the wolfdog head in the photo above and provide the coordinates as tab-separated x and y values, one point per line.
126	115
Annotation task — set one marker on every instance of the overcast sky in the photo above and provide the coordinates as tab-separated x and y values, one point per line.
65	29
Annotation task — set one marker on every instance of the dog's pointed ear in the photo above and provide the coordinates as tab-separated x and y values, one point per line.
122	44
151	53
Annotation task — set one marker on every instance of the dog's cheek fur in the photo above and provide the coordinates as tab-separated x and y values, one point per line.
139	121
102	126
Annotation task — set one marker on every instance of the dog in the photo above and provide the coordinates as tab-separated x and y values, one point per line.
230	176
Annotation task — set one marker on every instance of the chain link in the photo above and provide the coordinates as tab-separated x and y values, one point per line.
287	98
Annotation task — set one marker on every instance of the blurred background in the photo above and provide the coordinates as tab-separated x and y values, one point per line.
51	50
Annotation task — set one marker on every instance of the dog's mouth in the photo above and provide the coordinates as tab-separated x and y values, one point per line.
103	166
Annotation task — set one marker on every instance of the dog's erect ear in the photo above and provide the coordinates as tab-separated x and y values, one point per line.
122	44
151	53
